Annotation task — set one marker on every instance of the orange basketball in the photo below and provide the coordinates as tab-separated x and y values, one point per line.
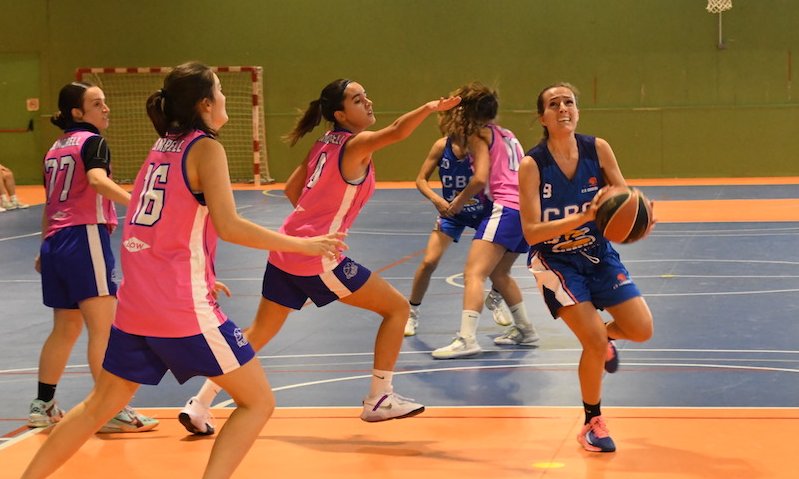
624	215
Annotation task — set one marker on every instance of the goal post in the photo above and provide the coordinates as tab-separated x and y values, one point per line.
130	134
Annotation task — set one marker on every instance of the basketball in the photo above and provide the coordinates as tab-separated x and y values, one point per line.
624	215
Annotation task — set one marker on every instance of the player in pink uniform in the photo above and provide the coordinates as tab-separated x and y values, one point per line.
498	240
75	260
168	317
328	191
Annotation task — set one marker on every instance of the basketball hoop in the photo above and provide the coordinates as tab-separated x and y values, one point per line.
718	6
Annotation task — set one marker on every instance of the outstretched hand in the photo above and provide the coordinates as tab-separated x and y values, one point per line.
220	286
329	245
444	104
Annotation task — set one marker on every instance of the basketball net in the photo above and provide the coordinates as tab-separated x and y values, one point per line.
718	6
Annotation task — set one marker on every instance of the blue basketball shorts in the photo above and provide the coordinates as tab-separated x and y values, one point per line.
596	275
146	359
453	227
293	291
504	227
77	263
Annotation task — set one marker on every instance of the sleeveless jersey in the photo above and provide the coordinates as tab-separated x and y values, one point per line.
327	204
561	196
455	174
168	249
505	153
71	200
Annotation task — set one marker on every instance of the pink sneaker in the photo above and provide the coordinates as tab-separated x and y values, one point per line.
595	436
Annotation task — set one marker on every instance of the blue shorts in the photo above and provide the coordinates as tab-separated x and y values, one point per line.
503	227
146	359
453	227
293	291
77	263
596	275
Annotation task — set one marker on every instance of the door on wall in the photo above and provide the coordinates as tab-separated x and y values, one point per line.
19	116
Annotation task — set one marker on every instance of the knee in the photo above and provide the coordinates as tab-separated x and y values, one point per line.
428	266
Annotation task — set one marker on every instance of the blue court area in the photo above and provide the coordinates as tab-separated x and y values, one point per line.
725	297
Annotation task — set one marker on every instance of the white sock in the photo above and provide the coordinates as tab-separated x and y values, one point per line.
469	320
5	197
519	314
208	393
381	382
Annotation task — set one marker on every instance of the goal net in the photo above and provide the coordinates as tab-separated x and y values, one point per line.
131	134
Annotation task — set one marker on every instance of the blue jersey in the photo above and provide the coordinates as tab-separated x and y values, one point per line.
455	174
561	196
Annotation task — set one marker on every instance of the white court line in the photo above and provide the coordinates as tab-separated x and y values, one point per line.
506	366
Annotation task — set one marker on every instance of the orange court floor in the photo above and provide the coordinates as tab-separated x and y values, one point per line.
504	442
445	442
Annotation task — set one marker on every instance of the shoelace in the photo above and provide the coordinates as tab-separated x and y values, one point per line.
599	428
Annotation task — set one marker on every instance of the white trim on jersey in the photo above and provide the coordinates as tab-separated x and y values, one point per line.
98	259
221	350
346	203
206	319
98	208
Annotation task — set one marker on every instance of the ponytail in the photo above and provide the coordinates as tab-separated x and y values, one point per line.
330	100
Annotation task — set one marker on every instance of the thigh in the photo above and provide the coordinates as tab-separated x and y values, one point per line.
377	295
483	258
437	244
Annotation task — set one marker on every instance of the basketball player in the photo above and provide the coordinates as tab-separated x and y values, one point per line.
328	190
456	170
75	260
168	317
577	270
498	240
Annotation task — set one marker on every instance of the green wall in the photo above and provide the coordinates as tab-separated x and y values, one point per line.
654	82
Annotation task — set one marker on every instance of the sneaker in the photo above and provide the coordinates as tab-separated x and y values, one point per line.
595	436
389	406
19	205
517	336
2	209
128	420
196	418
612	358
459	347
413	322
43	414
499	309
7	205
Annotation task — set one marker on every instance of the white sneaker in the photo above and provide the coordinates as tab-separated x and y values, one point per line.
196	418
7	205
2	209
19	205
128	420
389	406
517	336
43	414
413	322
499	309
459	347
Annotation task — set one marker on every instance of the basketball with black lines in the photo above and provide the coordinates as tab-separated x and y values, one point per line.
624	214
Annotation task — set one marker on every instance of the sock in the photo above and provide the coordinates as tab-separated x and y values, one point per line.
519	314
381	382
469	321
46	392
208	392
5	197
591	411
414	305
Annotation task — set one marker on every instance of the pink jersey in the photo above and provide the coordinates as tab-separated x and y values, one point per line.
328	204
71	200
168	249
505	153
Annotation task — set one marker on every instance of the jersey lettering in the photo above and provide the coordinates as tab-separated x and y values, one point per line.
52	166
320	164
151	201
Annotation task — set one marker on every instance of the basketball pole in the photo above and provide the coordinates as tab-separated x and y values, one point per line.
721	45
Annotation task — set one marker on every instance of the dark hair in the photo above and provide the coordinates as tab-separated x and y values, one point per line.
540	100
330	100
70	96
173	108
478	107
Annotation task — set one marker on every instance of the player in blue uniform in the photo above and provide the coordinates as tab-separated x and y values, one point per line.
455	169
576	268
